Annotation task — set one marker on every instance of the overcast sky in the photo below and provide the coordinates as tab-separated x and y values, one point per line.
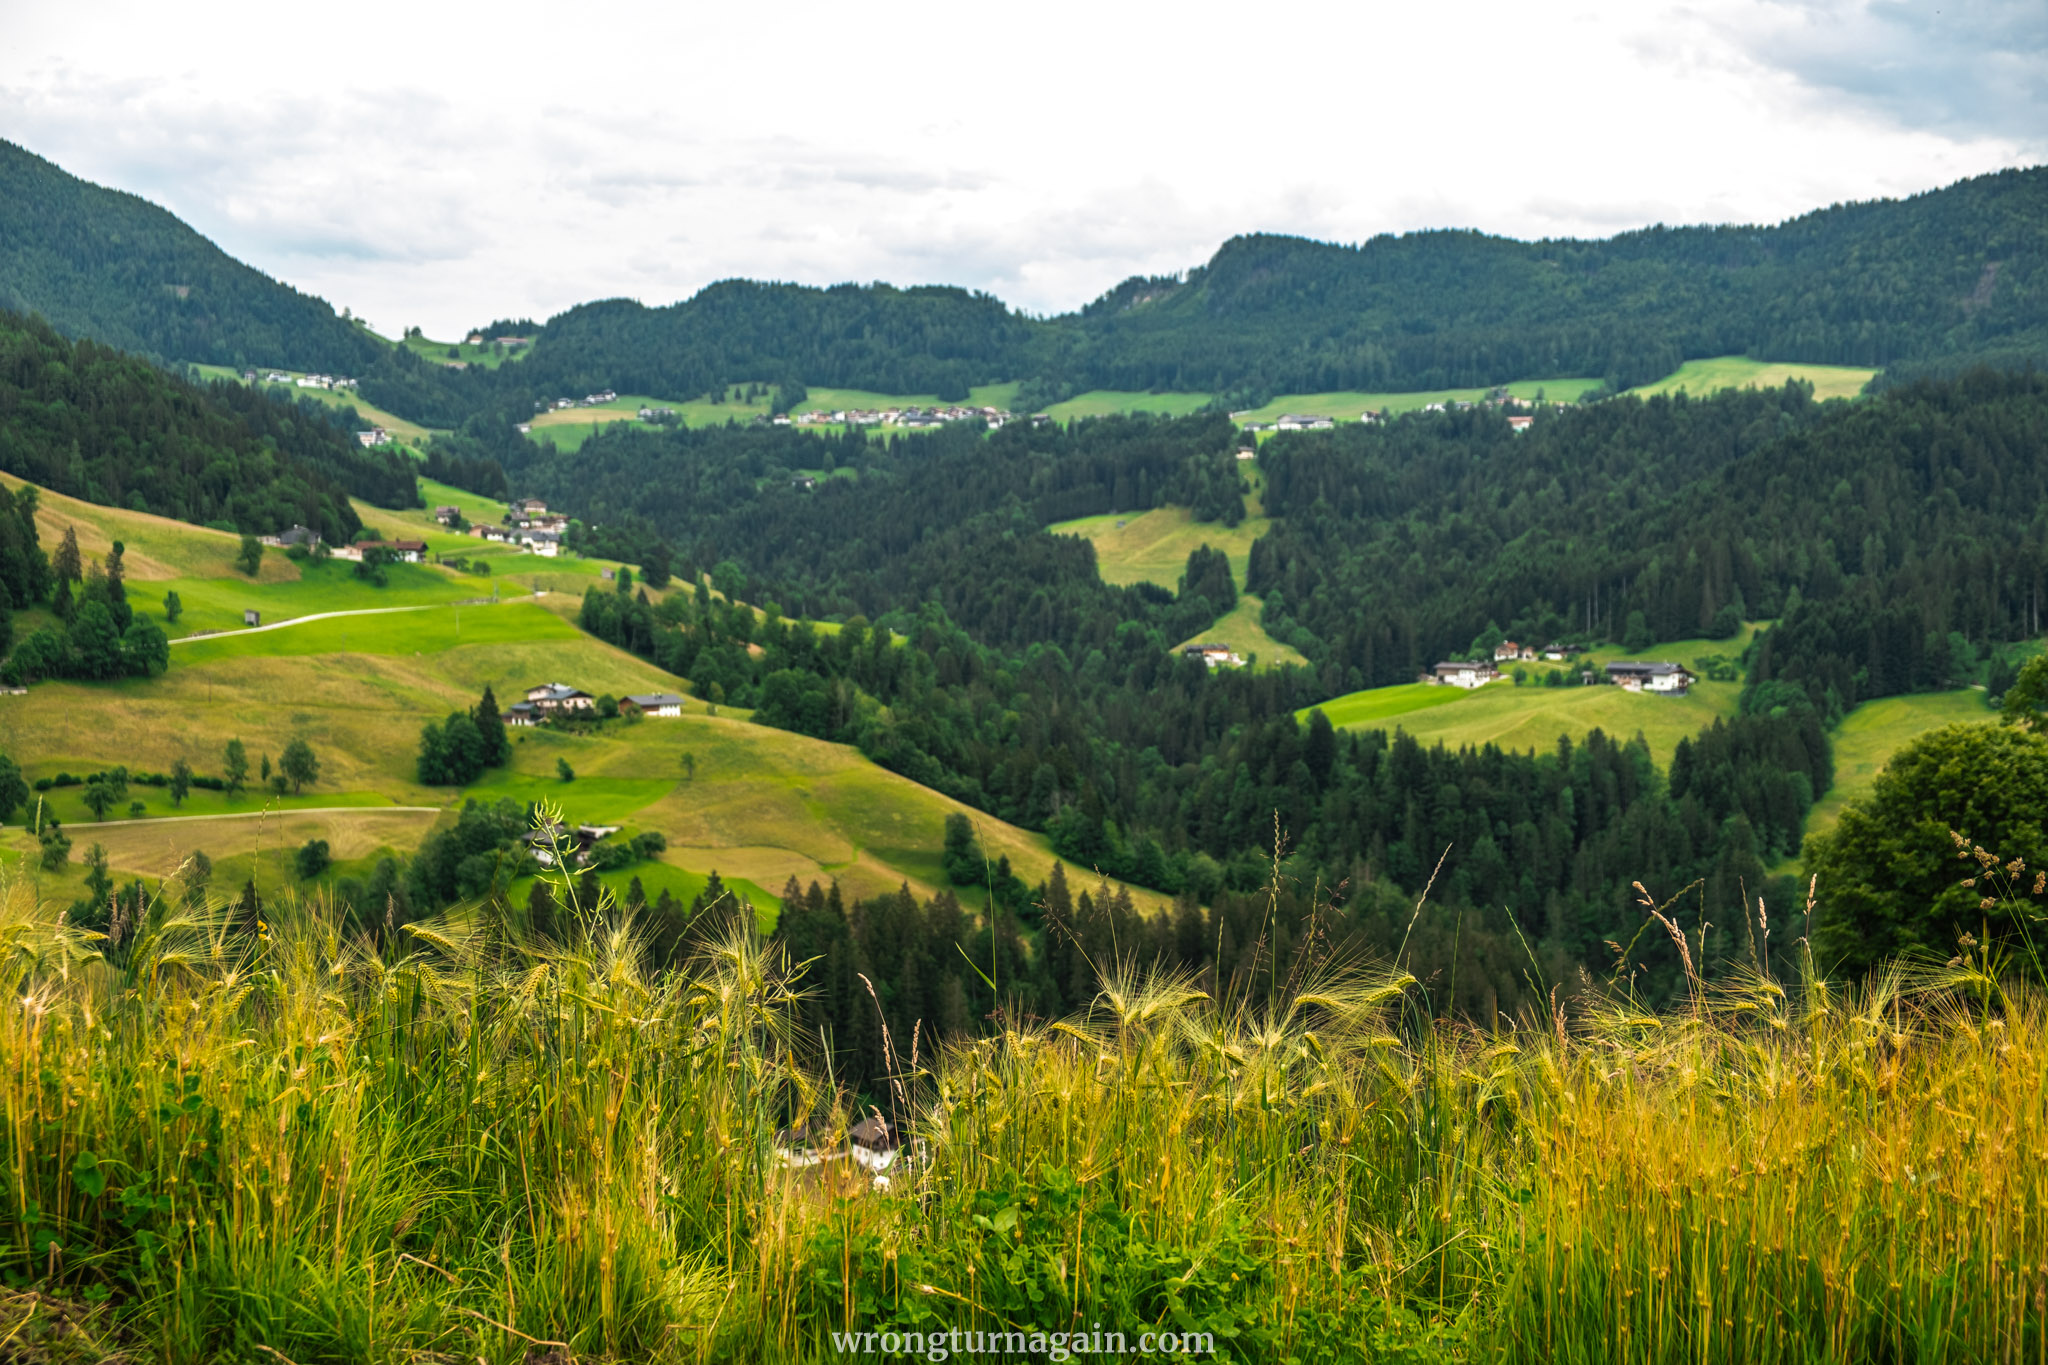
443	166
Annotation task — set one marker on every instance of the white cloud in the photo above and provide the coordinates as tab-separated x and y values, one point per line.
442	167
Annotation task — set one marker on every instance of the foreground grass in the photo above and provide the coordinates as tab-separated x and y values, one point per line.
282	1141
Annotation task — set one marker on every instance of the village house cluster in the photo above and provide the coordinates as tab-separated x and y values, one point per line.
306	538
1500	398
301	381
588	400
1668	679
559	701
897	417
528	523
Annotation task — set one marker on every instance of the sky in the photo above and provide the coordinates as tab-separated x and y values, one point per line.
443	166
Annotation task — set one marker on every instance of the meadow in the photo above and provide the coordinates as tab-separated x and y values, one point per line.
282	1143
1153	546
1702	377
1532	716
488	356
756	805
371	414
1241	630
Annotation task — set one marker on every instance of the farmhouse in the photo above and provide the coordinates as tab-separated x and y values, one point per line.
523	714
473	339
447	516
556	698
407	551
1465	673
483	532
1520	424
1295	421
652	704
574	845
1650	677
375	436
298	535
1216	656
529	507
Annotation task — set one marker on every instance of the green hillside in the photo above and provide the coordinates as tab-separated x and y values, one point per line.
758	805
100	263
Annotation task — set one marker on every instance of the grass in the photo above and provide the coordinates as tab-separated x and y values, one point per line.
1869	735
1532	717
1702	377
1240	629
765	805
458	1144
372	415
1153	547
487	356
1107	402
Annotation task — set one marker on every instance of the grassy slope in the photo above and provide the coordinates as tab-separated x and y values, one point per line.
1701	377
1153	547
1869	735
375	416
1103	402
1532	717
764	804
487	356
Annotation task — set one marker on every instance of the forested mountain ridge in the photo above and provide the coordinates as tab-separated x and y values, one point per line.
1954	270
1920	285
109	265
1951	273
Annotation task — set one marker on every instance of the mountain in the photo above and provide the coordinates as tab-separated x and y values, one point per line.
111	266
1950	272
1937	280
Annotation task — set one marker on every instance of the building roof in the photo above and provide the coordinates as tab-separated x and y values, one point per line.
555	691
1653	670
653	699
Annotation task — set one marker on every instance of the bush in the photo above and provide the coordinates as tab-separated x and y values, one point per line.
311	859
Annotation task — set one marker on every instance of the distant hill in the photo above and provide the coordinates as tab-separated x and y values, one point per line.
1934	281
111	266
1956	271
1925	285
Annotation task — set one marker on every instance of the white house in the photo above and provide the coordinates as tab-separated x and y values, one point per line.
1466	673
1669	679
1215	656
652	704
554	696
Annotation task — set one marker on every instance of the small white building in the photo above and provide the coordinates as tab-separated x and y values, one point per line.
1669	679
666	704
1296	421
1465	673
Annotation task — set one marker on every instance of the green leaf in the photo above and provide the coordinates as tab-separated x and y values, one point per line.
1005	1220
87	1174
